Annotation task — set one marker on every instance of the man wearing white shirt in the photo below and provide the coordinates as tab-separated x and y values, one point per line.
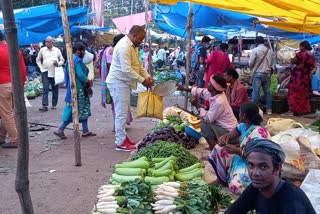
125	72
48	58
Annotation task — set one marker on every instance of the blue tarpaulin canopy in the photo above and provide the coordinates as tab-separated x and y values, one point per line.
36	23
222	24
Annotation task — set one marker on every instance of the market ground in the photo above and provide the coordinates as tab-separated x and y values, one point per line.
56	185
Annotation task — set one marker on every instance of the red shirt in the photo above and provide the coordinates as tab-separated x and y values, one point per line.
5	75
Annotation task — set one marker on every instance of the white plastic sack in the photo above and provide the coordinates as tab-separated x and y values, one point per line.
287	141
88	57
26	101
59	75
311	186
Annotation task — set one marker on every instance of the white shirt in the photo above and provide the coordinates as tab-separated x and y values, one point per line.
48	57
256	56
126	67
162	54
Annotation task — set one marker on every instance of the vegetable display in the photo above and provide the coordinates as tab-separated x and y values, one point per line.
172	120
33	89
165	196
190	173
160	77
163	149
169	134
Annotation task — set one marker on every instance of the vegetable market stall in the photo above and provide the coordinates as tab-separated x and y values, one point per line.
167	174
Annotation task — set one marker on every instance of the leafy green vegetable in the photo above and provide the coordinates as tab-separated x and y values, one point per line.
163	149
139	196
219	199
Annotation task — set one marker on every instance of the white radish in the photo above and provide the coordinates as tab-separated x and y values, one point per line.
108	211
106	203
169	208
172	184
108	186
103	191
109	193
171	194
168	188
108	198
110	206
164	197
165	202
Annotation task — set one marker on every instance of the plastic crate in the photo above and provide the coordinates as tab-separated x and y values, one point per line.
279	106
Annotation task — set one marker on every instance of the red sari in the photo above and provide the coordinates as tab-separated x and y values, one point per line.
300	83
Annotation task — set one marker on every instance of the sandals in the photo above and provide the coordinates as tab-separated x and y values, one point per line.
88	134
60	134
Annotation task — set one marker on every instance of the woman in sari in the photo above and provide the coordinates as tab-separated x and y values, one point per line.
226	159
300	80
83	86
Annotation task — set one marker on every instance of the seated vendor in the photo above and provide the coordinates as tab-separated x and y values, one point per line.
219	118
236	92
268	193
284	81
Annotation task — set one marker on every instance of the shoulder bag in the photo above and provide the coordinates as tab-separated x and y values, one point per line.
255	71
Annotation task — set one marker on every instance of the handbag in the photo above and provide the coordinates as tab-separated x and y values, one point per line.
58	75
108	96
255	71
87	90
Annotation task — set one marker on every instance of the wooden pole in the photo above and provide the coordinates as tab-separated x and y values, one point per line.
75	113
147	29
22	174
189	29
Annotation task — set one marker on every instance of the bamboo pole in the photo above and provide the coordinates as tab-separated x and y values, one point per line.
75	113
189	29
147	29
22	174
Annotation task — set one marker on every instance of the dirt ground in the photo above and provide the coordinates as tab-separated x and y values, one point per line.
56	185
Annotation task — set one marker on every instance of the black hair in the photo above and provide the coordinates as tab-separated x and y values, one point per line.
136	30
232	72
145	46
78	46
165	48
260	40
251	111
221	81
224	46
117	38
306	44
1	36
205	39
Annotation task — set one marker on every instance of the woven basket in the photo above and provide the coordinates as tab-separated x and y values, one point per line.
134	99
314	104
279	106
279	96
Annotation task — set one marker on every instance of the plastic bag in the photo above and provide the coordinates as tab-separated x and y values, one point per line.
58	75
276	125
311	186
149	105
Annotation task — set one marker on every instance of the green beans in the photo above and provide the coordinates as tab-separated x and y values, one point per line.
163	149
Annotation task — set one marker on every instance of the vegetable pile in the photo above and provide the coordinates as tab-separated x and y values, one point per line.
163	149
174	121
164	170
165	196
190	173
160	77
169	134
128	171
33	89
